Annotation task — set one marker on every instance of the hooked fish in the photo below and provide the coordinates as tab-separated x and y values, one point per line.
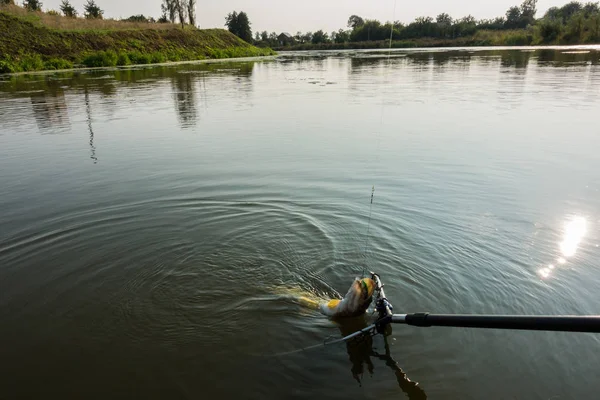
354	303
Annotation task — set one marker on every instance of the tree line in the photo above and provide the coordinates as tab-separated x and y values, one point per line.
182	11
91	9
575	22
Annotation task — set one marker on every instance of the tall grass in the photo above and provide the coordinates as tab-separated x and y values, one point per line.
518	37
78	24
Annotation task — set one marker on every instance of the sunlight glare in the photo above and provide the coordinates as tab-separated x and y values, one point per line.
574	232
544	272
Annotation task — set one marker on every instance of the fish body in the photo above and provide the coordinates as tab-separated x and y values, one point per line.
354	303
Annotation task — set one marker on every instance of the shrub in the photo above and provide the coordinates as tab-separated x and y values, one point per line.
58	63
157	57
216	53
7	67
101	59
139	58
123	59
32	63
548	30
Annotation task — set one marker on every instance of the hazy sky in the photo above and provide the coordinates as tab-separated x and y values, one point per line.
311	15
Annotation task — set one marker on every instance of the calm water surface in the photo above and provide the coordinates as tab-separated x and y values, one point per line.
155	221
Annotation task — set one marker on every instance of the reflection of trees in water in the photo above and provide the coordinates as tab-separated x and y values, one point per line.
563	58
513	77
185	99
186	79
422	59
441	58
515	59
88	112
310	62
50	107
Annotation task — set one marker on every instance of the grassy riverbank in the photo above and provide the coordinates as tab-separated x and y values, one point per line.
35	41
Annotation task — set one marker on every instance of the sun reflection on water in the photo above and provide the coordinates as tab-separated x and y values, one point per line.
575	230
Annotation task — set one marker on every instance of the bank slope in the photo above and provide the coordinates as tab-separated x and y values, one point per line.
29	46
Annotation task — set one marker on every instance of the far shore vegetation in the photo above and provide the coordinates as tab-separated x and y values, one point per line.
35	40
573	23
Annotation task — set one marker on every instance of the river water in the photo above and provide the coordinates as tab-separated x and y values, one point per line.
157	222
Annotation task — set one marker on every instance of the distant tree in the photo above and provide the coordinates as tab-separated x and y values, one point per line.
444	18
257	36
528	11
320	37
553	13
513	17
163	19
465	26
570	9
392	29
232	24
469	20
492	24
244	26
444	24
169	9
67	9
590	9
342	36
54	13
575	27
7	2
370	30
191	10
549	30
239	25
355	22
264	36
593	25
32	5
181	7
424	27
138	18
92	11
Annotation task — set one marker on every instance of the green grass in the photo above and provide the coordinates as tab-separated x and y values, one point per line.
31	46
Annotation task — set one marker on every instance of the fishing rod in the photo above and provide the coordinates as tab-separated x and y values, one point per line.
558	323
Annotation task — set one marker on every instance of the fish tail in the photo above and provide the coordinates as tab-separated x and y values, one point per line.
308	303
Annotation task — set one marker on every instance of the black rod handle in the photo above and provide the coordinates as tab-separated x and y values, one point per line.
518	322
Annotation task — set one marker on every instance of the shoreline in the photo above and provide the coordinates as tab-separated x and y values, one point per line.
582	47
416	45
590	47
131	66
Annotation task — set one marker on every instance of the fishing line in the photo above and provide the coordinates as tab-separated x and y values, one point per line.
386	70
